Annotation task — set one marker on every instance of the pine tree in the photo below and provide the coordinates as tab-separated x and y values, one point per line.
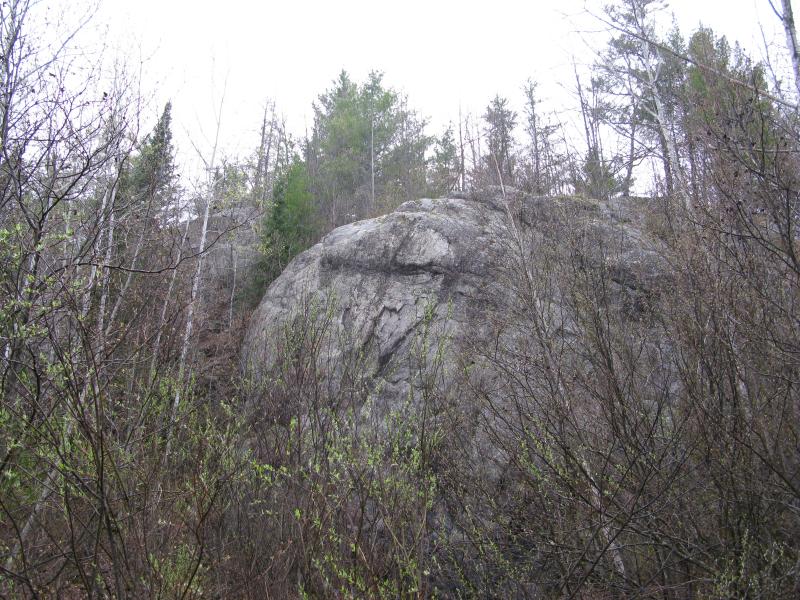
291	226
444	169
367	150
649	80
500	123
152	178
543	171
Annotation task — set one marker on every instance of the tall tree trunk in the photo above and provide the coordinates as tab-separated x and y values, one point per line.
372	164
234	260
461	174
264	153
593	170
669	181
628	182
163	318
787	18
187	333
672	172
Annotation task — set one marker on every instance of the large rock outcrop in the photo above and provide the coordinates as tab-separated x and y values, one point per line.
451	265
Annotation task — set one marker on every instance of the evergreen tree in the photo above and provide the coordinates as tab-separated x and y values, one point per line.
500	123
544	170
151	179
730	120
598	173
366	151
444	169
232	181
642	84
291	226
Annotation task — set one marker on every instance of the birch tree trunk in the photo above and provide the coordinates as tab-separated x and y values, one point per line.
787	18
52	477
187	333
659	114
163	318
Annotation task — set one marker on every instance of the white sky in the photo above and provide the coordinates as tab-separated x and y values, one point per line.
442	53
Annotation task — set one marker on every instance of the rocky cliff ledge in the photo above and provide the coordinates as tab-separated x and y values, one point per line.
451	265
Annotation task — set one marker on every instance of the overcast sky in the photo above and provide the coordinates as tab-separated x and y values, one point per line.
441	53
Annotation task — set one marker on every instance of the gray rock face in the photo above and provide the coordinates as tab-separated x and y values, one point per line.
232	241
444	264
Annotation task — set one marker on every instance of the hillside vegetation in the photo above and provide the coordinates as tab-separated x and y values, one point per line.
552	389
